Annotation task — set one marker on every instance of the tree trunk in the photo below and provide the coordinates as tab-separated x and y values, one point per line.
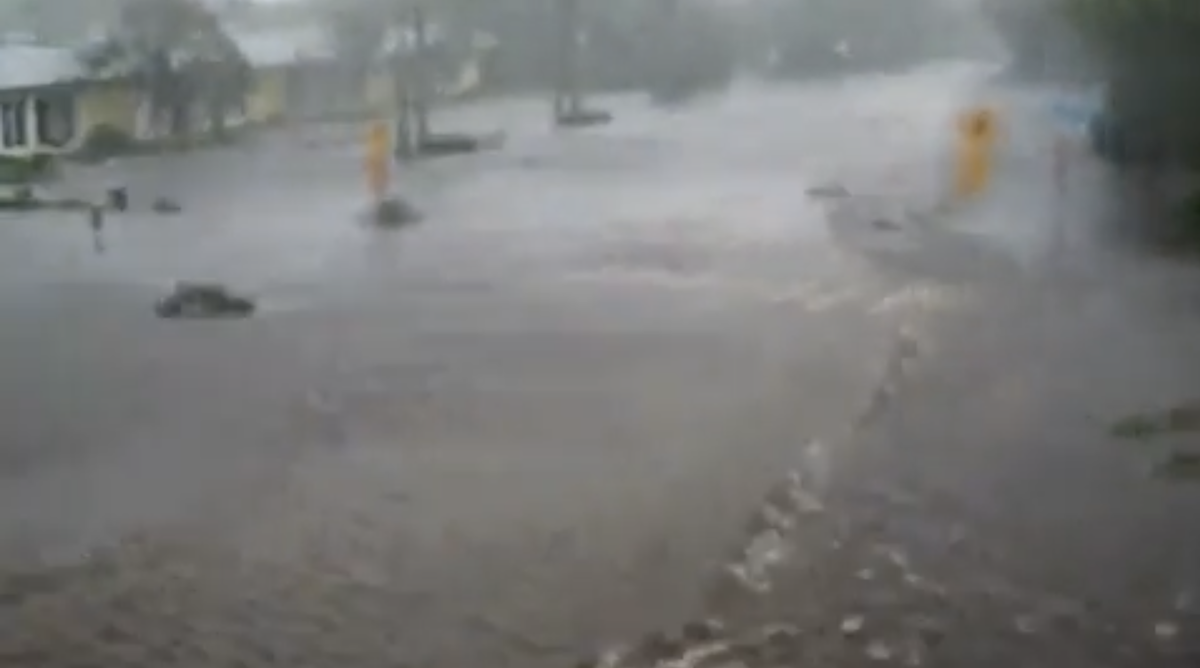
567	89
422	78
216	119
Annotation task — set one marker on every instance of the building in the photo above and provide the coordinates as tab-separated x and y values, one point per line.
56	100
52	101
294	73
39	91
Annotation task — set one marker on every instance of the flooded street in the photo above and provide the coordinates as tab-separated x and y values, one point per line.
616	381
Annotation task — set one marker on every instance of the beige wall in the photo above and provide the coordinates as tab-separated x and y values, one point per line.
268	98
112	104
379	91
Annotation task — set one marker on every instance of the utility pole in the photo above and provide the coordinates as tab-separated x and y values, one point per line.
401	69
567	90
665	73
423	77
415	87
569	110
412	83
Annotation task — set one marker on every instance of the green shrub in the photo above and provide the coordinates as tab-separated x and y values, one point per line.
27	169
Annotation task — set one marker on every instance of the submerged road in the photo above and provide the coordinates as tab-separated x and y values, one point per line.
618	381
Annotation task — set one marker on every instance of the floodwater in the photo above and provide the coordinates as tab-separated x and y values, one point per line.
546	419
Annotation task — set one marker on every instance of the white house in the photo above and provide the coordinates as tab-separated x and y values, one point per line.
37	98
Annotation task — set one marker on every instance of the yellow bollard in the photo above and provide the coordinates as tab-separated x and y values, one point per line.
378	160
976	145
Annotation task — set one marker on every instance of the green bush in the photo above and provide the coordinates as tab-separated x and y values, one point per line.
104	142
16	170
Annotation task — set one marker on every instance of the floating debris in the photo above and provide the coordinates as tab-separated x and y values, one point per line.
165	205
706	630
1026	624
1180	465
1136	427
448	144
693	656
896	556
96	222
203	300
394	212
1166	630
877	650
1182	419
96	218
609	658
828	191
778	633
930	631
658	647
581	118
118	199
753	581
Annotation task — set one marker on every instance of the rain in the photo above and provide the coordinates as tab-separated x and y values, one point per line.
621	333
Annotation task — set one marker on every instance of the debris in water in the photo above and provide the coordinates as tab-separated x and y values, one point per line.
775	518
581	118
1180	465
828	191
853	625
780	633
695	655
447	144
929	630
96	218
1025	624
394	212
752	581
609	658
703	631
895	556
1166	630
1182	419
1136	427
118	199
658	647
96	222
203	300
878	651
166	205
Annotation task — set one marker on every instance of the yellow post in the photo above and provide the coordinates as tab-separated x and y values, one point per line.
976	144
378	159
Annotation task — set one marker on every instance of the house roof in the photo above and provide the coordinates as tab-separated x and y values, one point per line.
283	46
403	39
32	66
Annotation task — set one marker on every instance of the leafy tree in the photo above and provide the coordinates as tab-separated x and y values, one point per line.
837	36
1148	50
359	28
180	57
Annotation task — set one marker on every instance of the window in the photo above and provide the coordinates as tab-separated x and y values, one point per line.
55	120
12	123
